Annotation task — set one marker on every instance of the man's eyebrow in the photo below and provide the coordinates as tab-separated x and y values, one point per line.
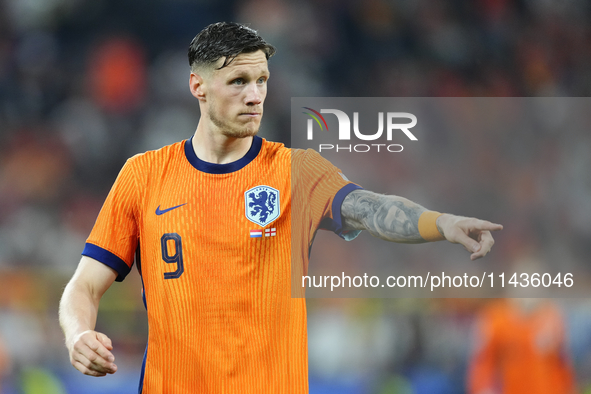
244	73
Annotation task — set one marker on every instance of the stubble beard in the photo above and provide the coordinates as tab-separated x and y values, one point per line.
250	129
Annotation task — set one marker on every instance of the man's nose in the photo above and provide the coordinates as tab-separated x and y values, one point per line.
254	94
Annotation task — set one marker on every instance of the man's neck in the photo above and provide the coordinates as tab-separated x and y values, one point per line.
214	147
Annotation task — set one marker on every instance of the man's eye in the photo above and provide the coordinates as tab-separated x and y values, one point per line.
238	81
262	80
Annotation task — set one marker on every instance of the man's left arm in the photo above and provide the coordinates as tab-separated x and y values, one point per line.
398	219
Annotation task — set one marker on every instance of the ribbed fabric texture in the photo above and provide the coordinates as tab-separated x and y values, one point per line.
226	322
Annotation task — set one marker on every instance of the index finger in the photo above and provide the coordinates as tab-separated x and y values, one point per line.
105	340
484	225
96	345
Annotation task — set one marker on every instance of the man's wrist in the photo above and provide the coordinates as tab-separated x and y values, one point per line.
428	228
73	337
440	223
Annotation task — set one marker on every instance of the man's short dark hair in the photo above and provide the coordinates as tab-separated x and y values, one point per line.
225	39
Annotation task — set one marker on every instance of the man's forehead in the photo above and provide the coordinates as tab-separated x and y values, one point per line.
243	60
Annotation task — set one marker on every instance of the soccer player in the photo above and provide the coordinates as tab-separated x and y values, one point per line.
215	224
4	362
520	347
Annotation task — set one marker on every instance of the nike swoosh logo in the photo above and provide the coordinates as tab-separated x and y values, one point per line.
160	212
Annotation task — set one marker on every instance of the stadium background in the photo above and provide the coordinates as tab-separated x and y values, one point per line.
84	85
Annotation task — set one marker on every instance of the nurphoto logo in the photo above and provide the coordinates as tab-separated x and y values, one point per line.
393	125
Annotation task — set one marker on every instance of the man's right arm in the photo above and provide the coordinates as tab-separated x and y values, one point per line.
396	219
90	351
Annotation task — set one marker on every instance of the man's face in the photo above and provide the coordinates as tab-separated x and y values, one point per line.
235	94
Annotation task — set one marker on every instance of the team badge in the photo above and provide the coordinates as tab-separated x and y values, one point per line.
262	204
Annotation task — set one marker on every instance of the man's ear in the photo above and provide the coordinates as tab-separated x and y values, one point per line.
196	86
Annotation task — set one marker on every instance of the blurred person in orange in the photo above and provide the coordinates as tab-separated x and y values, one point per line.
215	230
4	362
519	348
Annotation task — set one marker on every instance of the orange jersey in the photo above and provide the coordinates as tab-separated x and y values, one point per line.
520	352
214	246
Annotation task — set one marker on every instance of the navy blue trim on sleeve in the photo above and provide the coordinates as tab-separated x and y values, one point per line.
213	168
107	258
336	223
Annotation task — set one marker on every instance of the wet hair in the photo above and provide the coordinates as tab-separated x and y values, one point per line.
225	39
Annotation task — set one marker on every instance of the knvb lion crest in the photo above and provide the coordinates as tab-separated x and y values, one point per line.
262	204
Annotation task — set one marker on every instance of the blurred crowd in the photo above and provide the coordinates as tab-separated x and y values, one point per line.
85	85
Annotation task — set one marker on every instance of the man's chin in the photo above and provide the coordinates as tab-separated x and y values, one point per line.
243	133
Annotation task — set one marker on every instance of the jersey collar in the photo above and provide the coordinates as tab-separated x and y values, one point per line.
213	168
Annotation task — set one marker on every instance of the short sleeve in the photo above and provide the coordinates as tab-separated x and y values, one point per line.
320	188
114	237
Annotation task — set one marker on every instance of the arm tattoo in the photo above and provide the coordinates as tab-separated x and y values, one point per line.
391	218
